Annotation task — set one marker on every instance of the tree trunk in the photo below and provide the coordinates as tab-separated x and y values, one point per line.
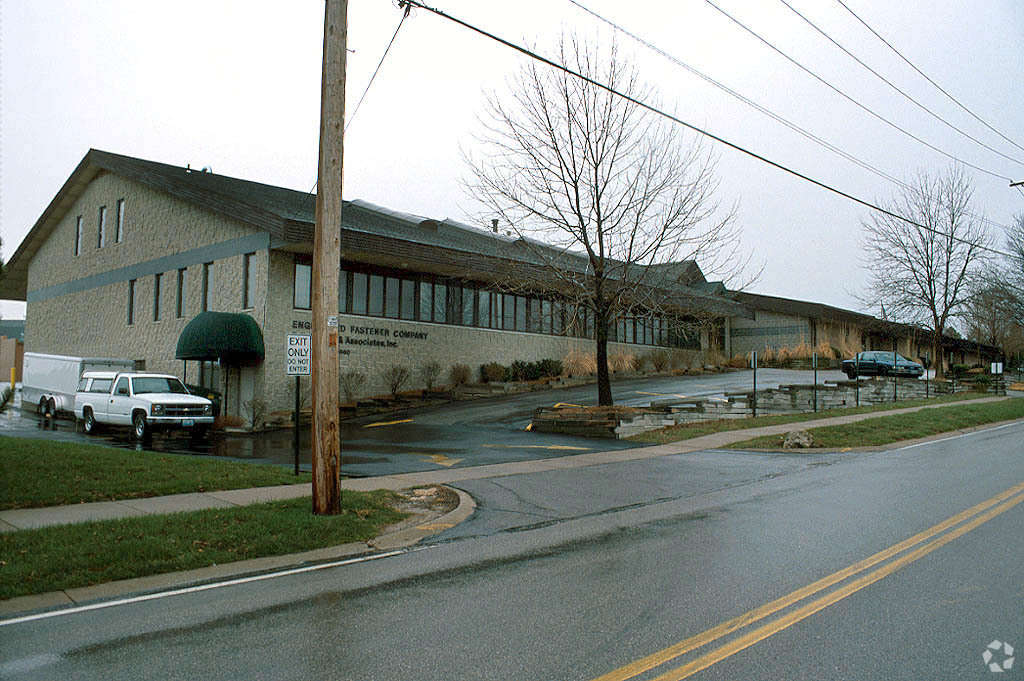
937	356
604	381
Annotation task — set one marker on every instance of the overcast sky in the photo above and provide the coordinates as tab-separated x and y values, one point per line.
236	86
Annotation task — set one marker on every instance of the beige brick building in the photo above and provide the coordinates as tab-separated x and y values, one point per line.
130	252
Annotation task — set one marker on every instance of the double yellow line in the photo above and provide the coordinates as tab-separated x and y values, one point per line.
922	544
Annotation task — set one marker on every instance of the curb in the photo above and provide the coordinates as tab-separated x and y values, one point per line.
172	580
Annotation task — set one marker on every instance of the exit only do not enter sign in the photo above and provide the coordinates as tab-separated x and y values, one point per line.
299	359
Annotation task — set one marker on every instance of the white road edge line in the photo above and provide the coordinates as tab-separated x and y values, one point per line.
205	587
954	437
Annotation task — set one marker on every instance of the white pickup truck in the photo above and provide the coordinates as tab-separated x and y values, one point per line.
144	401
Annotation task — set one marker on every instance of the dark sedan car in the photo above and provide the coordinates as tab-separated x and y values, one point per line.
880	363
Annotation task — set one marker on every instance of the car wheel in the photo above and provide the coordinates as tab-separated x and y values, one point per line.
89	421
140	426
52	407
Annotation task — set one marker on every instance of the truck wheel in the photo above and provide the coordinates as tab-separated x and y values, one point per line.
51	407
139	425
90	421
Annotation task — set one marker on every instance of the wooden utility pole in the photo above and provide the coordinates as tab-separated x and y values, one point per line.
326	264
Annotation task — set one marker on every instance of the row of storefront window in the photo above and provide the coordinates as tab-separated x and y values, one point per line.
425	298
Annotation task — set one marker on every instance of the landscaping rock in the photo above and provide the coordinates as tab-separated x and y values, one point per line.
798	439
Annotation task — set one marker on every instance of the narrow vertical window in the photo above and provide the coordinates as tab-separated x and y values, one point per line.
508	312
157	279
391	297
520	313
440	302
359	289
78	235
376	304
303	281
207	291
545	315
408	299
426	301
248	281
101	227
342	291
119	233
483	308
180	305
468	306
131	302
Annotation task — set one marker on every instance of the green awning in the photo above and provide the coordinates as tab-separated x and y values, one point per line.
231	338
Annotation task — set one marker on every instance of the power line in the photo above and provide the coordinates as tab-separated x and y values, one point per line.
644	105
387	49
848	97
894	86
384	56
925	76
765	110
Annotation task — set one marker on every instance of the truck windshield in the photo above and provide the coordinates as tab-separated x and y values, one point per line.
158	384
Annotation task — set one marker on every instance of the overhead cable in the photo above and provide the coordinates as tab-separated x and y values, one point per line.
925	76
649	107
765	110
896	87
850	99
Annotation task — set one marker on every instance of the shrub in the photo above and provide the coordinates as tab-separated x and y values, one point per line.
395	376
523	371
714	357
826	351
256	410
982	382
352	383
621	361
492	372
957	371
459	374
579	363
661	360
429	373
549	368
637	362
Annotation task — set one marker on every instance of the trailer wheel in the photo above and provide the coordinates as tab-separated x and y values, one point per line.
41	410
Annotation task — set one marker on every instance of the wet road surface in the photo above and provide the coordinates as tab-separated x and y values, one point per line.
575	574
471	433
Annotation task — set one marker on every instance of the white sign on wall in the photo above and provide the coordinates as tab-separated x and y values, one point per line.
299	358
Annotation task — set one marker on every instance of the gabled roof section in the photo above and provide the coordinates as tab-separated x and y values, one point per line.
289	216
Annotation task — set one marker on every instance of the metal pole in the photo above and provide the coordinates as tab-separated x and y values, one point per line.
856	364
295	438
895	371
814	363
753	396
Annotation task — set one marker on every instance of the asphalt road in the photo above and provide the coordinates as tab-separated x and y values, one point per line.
575	574
459	434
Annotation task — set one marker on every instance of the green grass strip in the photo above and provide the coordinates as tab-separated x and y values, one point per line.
687	431
886	429
69	556
35	473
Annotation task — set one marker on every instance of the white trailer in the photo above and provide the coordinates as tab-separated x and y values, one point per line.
49	382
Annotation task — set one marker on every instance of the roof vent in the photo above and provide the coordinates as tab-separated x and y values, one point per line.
208	169
494	225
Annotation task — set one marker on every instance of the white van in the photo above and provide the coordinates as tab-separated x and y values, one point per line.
49	382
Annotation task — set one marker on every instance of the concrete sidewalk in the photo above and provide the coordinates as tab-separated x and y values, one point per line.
59	515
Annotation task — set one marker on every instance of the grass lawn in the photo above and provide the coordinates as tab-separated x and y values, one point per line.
687	431
37	473
886	429
68	556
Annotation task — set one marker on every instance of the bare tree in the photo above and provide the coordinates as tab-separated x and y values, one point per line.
923	274
1011	280
608	199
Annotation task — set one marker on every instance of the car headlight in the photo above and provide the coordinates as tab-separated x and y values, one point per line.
207	408
158	410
